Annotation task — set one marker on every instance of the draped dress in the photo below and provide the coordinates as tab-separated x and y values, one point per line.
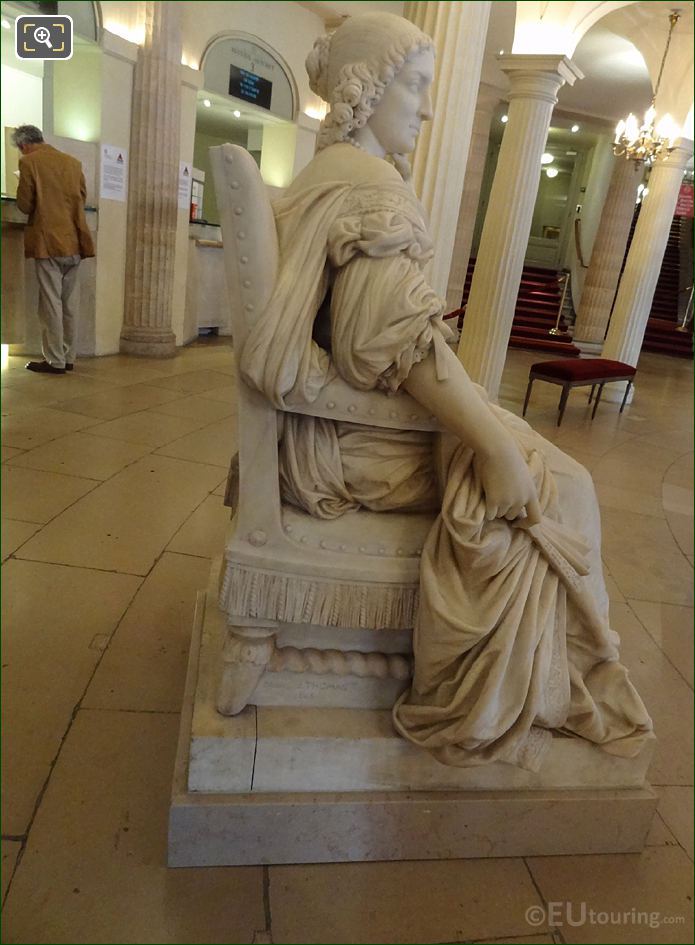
510	643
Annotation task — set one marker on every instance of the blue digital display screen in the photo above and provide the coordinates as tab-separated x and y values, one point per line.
250	87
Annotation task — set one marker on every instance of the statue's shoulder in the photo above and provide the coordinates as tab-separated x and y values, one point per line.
345	164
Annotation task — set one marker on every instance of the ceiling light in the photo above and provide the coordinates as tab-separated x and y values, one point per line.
6	25
551	171
547	158
504	119
646	142
574	129
207	103
501	52
571	153
236	113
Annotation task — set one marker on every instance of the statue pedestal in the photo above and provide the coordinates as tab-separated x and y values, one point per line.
279	784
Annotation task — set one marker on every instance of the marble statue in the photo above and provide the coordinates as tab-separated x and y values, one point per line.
511	638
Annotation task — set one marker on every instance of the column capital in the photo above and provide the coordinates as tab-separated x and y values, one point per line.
680	155
542	65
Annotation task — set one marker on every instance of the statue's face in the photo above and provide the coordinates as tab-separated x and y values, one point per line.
405	104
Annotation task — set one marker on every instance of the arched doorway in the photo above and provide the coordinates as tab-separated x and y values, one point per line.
250	99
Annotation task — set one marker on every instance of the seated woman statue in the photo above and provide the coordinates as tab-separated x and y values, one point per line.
512	638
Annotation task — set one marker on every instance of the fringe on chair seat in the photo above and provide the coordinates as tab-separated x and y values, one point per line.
271	595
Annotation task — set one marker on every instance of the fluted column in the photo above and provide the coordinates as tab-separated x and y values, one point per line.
459	30
534	81
643	264
488	97
153	186
608	253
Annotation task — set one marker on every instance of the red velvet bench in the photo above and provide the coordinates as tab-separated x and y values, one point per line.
577	372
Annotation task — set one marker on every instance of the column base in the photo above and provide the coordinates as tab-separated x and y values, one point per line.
590	348
614	393
148	344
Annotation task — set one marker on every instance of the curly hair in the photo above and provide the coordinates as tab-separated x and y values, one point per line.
359	86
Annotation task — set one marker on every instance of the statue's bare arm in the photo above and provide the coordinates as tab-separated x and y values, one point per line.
505	478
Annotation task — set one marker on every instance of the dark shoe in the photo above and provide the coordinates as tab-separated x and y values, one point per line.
43	367
69	367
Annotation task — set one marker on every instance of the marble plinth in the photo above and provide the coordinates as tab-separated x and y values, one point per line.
296	784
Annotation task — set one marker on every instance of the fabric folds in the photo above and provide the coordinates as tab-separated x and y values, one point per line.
512	639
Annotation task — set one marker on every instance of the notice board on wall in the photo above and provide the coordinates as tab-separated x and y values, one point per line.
250	87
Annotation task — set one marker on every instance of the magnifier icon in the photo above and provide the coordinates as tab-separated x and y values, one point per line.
42	35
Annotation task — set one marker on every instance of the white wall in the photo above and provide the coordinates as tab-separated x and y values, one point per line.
22	104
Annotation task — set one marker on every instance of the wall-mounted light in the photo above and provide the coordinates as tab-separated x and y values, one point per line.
547	158
551	172
574	129
6	25
501	52
236	113
207	103
504	119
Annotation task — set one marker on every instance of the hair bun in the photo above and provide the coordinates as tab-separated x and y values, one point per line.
317	66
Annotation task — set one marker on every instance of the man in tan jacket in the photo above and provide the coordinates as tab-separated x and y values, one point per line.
52	192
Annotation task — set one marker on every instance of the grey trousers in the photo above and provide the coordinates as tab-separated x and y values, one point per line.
59	303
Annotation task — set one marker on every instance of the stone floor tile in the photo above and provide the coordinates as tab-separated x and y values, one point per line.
148	428
51	616
682	530
94	869
193	382
666	695
644	558
214	444
425	901
26	429
14	534
144	666
221	488
81	454
10	852
676	808
118	370
614	592
521	940
634	469
79	387
616	497
656	884
16	399
677	499
34	496
197	407
126	522
119	401
671	628
9	451
223	394
203	534
659	835
595	440
681	473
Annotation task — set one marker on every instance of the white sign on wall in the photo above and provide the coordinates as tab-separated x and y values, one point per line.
185	178
113	174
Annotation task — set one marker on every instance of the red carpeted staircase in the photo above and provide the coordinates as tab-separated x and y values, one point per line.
537	307
661	334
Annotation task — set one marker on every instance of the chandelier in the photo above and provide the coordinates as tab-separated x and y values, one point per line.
648	141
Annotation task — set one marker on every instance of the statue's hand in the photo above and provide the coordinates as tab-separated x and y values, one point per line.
507	483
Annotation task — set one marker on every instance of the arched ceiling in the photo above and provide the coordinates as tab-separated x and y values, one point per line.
611	55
